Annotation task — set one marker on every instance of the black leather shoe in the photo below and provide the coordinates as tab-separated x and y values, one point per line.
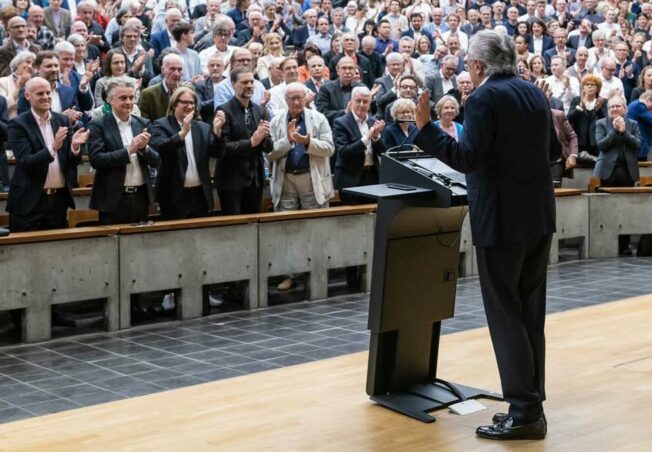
500	417
506	430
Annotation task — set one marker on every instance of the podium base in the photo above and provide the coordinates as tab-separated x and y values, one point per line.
418	400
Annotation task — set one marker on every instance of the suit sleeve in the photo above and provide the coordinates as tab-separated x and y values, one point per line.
605	138
4	121
85	100
101	158
571	136
632	139
162	141
473	148
323	103
345	148
30	162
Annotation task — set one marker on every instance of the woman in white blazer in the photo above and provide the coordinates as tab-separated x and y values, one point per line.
22	69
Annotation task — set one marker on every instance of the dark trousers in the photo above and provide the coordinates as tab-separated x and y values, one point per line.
192	204
132	208
4	170
513	284
369	177
237	202
50	212
620	177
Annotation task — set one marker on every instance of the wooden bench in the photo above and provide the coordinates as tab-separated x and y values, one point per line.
45	268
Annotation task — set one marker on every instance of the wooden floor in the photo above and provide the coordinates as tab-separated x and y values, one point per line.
599	399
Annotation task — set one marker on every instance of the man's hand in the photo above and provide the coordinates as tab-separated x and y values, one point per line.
266	97
59	138
423	110
571	161
139	142
73	115
139	63
295	136
95	39
185	125
619	124
310	96
375	89
80	137
261	132
218	123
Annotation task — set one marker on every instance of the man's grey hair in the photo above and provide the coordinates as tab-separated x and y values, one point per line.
560	58
354	36
450	58
173	11
170	57
495	51
129	27
401	103
406	39
20	59
360	90
598	34
84	3
336	10
295	86
604	61
394	57
224	23
616	99
75	39
118	82
64	47
369	39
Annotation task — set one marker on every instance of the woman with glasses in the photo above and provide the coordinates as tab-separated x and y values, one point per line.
402	130
585	110
185	144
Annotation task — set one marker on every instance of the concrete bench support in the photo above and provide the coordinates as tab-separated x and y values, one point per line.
572	222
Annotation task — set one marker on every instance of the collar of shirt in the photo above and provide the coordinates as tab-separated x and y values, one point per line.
120	121
40	120
301	117
345	87
359	120
19	47
165	88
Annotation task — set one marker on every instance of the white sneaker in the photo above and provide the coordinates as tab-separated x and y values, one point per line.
168	303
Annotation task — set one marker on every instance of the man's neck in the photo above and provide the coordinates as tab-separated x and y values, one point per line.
121	116
181	46
43	114
215	79
24	43
561	49
244	101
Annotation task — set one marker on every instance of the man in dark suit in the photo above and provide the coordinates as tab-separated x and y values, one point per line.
389	82
79	27
161	40
559	49
583	39
47	153
301	34
206	88
368	50
17	30
335	95
185	145
59	28
444	80
619	140
4	123
416	28
505	152
239	176
122	158
316	68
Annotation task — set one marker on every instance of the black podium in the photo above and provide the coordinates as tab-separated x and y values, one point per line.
421	208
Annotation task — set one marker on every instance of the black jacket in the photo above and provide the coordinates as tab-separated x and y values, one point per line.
110	158
367	72
174	161
330	101
583	123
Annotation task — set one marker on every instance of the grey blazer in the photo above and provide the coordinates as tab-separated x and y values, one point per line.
611	142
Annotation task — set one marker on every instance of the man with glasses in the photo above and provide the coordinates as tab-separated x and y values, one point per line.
444	80
335	95
224	91
611	85
17	43
139	62
222	34
408	88
627	70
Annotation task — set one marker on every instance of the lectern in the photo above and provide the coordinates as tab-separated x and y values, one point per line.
421	208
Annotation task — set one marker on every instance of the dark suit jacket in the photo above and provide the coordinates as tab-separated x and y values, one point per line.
241	165
573	42
311	86
410	32
330	100
436	87
363	63
583	123
548	54
154	102
300	36
69	96
160	41
377	64
4	123
548	43
565	134
33	159
504	152
350	151
110	158
7	53
611	143
174	161
204	90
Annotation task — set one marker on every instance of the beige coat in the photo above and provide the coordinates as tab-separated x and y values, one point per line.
9	90
320	150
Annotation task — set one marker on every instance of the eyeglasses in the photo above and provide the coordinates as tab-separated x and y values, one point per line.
186	103
224	34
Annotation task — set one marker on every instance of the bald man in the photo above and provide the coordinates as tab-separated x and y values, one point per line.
16	42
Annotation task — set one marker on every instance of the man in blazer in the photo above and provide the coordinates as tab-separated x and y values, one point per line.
437	84
47	153
17	30
349	48
563	165
183	184
239	176
395	66
560	49
640	110
583	38
335	95
206	88
505	152
63	23
154	100
161	40
358	146
122	158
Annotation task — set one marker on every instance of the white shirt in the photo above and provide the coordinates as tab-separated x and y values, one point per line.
277	99
133	174
205	55
537	44
56	100
564	94
446	85
54	178
364	130
464	39
610	85
192	175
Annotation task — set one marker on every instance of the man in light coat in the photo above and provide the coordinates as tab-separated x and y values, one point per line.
303	145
